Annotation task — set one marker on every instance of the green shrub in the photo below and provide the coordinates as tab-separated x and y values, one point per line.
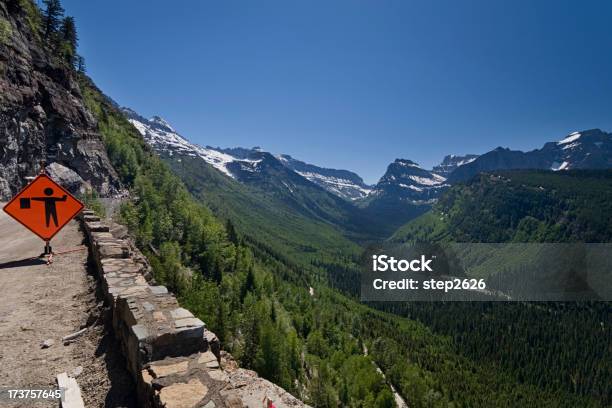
6	31
33	16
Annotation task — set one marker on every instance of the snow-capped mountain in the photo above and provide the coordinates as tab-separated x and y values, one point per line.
242	163
406	181
163	138
340	197
342	183
589	149
451	162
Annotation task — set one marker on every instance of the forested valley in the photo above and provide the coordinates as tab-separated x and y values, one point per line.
300	325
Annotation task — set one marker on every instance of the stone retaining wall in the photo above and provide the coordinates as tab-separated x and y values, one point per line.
174	360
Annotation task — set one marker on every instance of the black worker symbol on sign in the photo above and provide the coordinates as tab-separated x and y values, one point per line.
50	204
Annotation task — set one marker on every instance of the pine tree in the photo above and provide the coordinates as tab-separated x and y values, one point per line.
251	341
273	311
217	272
268	356
52	16
68	35
249	284
68	31
231	232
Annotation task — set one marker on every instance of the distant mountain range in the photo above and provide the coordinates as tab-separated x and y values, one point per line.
241	163
403	177
589	149
405	191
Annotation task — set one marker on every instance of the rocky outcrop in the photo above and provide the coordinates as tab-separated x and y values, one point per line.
174	360
68	178
43	118
451	162
405	181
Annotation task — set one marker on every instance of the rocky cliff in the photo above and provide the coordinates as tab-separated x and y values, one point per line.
43	119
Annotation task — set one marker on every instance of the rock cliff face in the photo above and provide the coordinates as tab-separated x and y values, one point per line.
406	181
43	119
451	162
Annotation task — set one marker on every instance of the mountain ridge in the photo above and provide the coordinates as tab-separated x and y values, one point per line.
404	192
234	162
588	149
569	152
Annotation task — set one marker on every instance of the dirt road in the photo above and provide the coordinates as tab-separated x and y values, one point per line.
40	302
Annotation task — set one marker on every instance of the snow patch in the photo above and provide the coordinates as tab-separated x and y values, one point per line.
338	186
466	161
426	181
415	188
570	138
571	145
288	188
171	142
407	164
556	166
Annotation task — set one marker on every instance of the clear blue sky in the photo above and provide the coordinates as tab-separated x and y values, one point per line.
356	84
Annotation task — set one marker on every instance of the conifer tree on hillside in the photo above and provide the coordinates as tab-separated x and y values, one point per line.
69	41
231	232
68	35
249	284
52	16
68	31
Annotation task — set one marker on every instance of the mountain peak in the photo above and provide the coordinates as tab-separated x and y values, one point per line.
407	163
158	120
407	181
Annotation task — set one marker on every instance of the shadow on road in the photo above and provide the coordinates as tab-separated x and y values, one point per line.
22	262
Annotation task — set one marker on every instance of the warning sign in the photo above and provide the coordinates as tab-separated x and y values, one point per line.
44	207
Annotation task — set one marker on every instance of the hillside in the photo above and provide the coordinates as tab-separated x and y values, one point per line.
297	223
343	183
520	206
256	190
524	206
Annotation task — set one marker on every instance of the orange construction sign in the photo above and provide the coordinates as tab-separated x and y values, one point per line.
43	207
